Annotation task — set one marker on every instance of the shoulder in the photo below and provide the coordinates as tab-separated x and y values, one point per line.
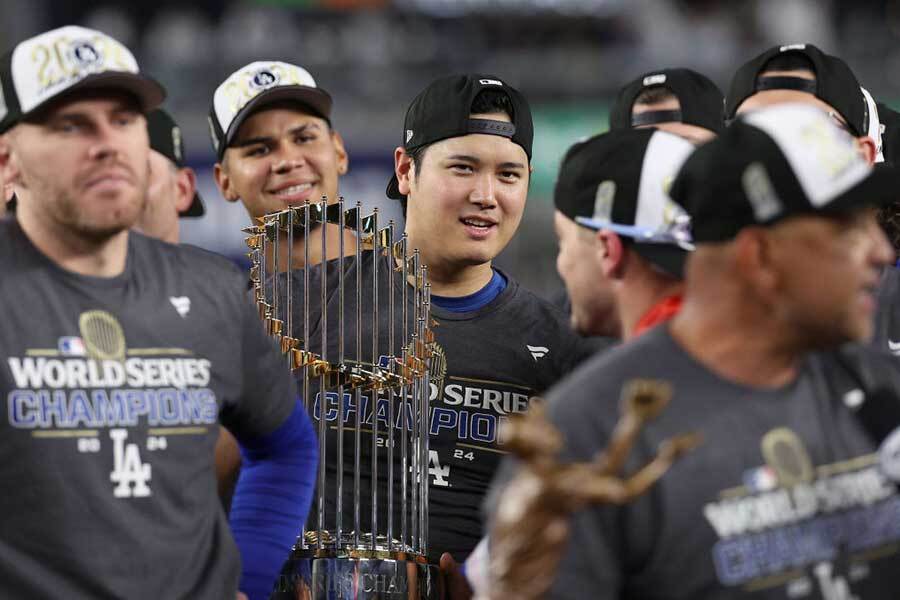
526	303
202	264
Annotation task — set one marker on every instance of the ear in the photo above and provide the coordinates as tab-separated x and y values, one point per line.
9	168
867	148
224	183
186	186
756	254
343	161
612	254
403	169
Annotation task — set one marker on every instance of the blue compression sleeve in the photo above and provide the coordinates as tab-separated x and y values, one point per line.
272	499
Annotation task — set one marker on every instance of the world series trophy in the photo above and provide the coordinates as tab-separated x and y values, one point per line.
546	491
366	537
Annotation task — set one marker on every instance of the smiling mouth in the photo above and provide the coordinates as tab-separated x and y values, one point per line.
479	223
294	189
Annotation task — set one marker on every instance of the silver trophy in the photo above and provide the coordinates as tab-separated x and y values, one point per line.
356	331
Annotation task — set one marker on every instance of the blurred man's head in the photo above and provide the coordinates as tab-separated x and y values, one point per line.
172	192
74	143
801	73
273	138
617	225
783	216
463	169
679	101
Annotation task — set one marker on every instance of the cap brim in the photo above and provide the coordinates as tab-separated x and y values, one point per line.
196	209
149	92
316	99
667	257
880	188
393	189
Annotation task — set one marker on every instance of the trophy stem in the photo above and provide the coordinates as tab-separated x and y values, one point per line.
375	388
404	390
305	315
391	414
357	391
339	508
323	394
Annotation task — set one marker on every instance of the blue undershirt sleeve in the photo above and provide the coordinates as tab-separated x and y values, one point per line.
272	499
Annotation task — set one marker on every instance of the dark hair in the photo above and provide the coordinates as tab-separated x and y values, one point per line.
789	61
654	94
487	101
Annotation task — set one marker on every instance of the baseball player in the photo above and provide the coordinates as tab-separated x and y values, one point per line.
617	227
276	147
122	354
680	101
803	73
773	502
172	192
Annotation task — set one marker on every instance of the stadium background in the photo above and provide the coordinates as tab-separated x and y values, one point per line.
567	56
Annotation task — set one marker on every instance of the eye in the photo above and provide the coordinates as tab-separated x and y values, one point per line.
256	150
125	119
462	168
510	176
305	138
66	127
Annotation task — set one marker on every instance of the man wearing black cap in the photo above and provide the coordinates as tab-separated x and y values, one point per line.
121	355
680	101
787	496
618	227
803	73
172	192
462	172
271	130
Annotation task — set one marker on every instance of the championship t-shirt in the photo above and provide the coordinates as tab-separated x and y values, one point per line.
112	391
487	364
785	498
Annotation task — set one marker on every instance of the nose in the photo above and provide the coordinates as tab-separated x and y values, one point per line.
288	161
105	144
882	252
483	192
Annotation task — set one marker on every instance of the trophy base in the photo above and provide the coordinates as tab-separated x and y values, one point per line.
307	575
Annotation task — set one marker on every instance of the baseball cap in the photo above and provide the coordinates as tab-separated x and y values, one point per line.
442	111
780	161
835	84
61	61
166	138
256	85
702	102
619	181
890	132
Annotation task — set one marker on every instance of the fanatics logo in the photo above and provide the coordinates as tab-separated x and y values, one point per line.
538	351
182	304
894	347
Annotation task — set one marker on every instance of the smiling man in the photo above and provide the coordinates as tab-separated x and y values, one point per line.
462	173
272	133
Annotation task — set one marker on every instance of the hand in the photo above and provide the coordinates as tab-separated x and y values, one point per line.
457	585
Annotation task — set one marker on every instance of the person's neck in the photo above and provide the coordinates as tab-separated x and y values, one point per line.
637	295
738	341
332	247
96	257
454	281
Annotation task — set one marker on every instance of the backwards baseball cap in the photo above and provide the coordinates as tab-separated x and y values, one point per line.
62	61
619	181
835	84
442	111
166	138
702	103
777	162
889	120
256	85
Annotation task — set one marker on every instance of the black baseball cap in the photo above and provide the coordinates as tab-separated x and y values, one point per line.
619	181
442	111
780	161
835	84
64	60
256	85
702	102
889	121
166	138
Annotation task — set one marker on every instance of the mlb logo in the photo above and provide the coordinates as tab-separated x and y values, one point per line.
71	346
761	479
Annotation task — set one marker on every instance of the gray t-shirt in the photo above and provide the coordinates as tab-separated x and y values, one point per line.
887	317
784	498
112	389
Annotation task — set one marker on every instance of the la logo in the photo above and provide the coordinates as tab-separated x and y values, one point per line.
128	472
